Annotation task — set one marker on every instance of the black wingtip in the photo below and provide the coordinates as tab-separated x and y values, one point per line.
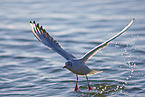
44	30
41	27
38	25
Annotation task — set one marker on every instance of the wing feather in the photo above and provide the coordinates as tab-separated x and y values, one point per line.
94	50
47	40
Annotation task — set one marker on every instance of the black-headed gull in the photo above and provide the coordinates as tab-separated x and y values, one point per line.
75	65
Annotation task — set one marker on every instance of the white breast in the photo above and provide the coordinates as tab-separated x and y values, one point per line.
79	67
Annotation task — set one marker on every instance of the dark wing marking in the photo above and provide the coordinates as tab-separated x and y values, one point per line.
47	40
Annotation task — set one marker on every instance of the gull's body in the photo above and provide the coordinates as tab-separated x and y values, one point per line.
75	65
79	68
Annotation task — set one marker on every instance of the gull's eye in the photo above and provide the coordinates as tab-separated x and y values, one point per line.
69	64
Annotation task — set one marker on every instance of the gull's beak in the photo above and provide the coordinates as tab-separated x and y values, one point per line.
64	66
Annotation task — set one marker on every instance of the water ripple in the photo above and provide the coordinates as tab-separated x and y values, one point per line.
28	68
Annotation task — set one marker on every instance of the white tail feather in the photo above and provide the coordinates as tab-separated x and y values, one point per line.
94	72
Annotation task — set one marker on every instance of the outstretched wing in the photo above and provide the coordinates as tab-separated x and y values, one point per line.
47	40
94	50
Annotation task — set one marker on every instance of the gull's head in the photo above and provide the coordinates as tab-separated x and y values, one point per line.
68	65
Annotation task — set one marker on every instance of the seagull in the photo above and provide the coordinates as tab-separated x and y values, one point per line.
75	65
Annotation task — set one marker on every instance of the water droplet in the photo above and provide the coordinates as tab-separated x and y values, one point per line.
117	87
120	91
132	70
101	92
105	88
94	88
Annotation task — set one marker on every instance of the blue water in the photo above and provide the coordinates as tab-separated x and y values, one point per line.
28	68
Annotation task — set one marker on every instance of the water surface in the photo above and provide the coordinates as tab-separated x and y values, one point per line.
28	68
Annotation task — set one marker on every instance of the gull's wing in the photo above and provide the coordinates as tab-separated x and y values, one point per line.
93	51
47	40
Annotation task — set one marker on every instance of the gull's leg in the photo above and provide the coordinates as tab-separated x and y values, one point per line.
88	83
76	88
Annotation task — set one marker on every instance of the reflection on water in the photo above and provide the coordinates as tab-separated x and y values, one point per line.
28	68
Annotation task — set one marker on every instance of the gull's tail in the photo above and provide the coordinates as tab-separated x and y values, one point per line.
94	72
